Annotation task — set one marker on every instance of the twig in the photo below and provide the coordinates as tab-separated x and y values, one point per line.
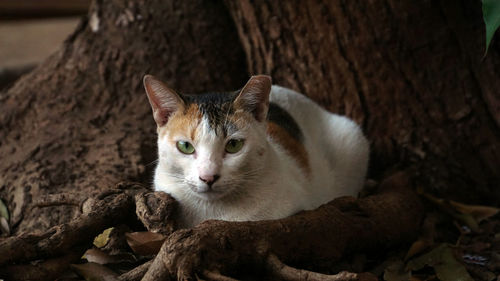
288	273
60	199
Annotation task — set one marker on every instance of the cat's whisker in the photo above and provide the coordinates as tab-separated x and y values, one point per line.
152	162
227	115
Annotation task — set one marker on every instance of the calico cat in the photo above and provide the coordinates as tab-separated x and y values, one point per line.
263	152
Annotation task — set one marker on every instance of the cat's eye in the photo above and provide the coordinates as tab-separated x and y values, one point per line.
234	146
185	147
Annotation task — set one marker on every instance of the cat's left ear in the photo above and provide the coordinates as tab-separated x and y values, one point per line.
164	101
254	97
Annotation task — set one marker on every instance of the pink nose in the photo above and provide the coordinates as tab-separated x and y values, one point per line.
209	179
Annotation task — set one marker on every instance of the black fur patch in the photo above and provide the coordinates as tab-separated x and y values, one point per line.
282	118
216	107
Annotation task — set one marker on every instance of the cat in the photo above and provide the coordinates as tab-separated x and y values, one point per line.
263	152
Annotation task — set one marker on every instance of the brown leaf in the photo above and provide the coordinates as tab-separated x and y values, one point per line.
426	239
145	243
101	257
396	272
444	262
470	215
479	212
418	247
4	226
4	212
95	272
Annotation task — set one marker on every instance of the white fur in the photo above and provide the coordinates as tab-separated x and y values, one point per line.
273	186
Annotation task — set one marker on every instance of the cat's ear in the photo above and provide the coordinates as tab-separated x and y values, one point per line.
164	101
254	97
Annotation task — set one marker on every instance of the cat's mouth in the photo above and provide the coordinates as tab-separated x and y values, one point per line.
208	192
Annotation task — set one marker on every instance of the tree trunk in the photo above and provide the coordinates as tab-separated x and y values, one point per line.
81	120
410	72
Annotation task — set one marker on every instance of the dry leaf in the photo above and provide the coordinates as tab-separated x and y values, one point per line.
4	226
396	272
101	257
479	212
470	215
426	239
4	212
418	247
145	243
443	261
95	272
102	239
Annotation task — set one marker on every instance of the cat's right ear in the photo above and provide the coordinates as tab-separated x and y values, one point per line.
254	97
164	101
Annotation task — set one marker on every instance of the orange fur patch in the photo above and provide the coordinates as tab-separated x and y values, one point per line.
290	144
182	122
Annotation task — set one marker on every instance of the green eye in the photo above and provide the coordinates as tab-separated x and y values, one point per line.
185	147
234	146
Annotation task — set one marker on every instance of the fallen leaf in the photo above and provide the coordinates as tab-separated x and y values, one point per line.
444	262
418	247
101	257
145	243
4	226
4	212
396	272
468	220
479	212
470	215
95	272
426	239
102	239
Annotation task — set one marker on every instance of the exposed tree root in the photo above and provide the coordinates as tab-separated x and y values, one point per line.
136	273
76	199
47	270
216	248
323	235
154	210
59	240
62	238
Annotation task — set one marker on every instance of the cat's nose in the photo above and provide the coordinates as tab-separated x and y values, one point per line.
209	179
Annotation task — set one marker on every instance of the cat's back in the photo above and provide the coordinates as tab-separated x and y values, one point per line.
330	149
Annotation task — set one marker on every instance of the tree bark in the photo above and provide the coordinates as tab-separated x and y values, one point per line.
410	72
310	239
81	120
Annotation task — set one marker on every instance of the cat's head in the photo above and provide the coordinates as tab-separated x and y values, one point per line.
210	145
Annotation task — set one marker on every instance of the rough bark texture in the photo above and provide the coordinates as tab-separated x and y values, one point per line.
81	120
311	239
411	72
